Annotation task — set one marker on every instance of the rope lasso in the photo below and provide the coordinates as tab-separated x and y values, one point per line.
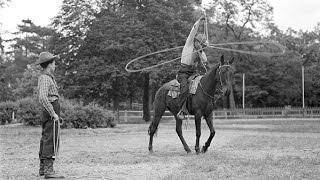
214	46
158	52
56	146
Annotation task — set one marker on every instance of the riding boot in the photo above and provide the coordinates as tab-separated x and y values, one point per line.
48	170
181	115
41	169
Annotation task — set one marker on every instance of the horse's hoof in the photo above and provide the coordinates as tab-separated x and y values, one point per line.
188	151
197	150
204	149
150	150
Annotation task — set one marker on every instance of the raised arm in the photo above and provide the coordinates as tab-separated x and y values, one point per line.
194	31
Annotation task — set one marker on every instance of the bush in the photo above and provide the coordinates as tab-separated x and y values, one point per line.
99	117
76	115
6	110
29	111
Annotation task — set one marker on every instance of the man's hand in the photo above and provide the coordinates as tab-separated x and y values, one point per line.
203	17
55	117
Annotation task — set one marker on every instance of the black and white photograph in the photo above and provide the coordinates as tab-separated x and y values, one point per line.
160	89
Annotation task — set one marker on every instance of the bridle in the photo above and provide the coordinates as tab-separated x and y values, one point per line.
220	79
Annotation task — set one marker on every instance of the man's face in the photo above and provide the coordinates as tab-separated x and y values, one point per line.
199	45
52	66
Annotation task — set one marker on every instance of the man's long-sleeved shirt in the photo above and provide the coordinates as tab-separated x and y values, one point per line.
48	91
189	54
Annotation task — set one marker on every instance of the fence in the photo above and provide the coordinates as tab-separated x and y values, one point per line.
248	113
286	112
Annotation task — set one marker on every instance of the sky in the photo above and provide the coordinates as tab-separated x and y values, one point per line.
39	12
297	14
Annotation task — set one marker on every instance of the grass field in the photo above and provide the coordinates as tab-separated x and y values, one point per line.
241	149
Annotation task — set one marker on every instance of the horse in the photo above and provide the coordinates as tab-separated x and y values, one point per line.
200	104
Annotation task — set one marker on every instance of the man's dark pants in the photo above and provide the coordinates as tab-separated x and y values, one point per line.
184	88
184	73
46	142
46	151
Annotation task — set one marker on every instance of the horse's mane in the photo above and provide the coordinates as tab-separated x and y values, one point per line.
214	68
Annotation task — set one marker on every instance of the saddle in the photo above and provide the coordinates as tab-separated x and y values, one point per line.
174	91
174	86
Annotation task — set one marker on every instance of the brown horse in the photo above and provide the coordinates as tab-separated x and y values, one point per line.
200	104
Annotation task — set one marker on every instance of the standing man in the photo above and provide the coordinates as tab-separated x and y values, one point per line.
192	54
49	99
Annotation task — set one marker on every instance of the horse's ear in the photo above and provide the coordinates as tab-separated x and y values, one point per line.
222	60
231	61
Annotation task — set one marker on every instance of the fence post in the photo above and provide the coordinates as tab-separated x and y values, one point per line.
12	117
118	115
125	116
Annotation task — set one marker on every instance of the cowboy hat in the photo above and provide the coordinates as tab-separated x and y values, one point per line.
45	57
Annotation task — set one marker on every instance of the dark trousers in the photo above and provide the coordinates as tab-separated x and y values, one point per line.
184	88
46	143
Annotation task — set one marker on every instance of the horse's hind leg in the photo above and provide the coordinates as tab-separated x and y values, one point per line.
159	110
212	132
152	130
179	132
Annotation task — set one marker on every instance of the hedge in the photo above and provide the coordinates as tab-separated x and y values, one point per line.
78	116
75	115
6	110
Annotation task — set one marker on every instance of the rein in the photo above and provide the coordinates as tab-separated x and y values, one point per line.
212	97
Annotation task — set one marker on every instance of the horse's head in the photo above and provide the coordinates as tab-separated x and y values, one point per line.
225	74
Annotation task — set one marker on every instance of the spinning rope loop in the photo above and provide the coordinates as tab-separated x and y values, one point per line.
213	46
158	52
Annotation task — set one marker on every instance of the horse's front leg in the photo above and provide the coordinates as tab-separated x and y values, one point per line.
212	132
198	131
179	132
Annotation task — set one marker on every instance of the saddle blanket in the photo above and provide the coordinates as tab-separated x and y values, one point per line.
174	87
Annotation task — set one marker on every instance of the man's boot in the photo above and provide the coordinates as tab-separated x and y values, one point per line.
48	170
41	169
181	115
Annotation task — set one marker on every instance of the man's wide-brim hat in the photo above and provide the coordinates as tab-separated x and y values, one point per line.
45	57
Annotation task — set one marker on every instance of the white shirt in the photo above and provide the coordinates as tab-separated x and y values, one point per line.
189	53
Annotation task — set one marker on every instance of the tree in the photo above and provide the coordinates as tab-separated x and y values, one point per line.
27	85
119	32
237	20
72	23
30	40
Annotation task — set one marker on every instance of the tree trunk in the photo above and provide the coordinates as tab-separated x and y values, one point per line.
225	102
146	95
115	94
232	103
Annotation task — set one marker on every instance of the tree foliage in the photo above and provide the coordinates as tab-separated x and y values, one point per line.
96	39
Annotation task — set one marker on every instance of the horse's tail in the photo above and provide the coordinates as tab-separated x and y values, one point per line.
160	106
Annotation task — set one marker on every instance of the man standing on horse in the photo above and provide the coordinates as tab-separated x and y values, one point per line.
192	54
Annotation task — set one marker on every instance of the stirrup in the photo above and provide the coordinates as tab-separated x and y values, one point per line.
181	115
